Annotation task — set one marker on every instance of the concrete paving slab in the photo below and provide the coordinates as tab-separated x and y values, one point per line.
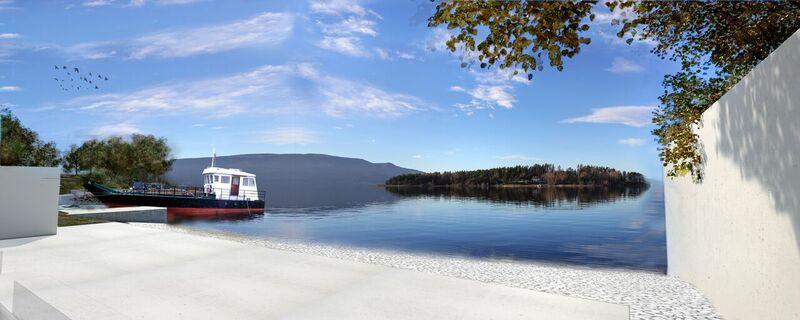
122	214
119	271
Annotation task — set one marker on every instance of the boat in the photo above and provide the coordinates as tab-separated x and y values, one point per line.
224	192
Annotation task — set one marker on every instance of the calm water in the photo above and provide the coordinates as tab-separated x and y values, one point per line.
589	227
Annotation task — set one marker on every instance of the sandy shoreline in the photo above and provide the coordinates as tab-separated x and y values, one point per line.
649	295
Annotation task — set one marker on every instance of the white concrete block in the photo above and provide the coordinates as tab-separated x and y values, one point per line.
28	201
736	235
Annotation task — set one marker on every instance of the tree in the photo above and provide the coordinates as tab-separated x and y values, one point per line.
716	42
20	146
120	161
151	157
519	32
537	174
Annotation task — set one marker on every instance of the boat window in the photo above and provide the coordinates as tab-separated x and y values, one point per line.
226	179
248	182
216	178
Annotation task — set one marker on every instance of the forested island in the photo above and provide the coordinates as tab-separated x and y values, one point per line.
533	175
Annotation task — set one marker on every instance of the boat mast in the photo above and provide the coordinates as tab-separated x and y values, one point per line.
213	156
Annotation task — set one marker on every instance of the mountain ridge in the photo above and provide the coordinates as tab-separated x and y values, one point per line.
295	179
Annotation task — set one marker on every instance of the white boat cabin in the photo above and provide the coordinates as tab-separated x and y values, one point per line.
230	184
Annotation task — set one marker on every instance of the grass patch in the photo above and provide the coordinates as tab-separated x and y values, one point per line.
65	220
70	182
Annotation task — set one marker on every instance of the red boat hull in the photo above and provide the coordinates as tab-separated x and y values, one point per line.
198	212
208	212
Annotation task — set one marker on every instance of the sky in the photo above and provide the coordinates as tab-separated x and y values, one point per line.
364	79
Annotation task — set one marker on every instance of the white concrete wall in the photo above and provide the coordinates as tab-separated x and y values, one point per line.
736	235
28	201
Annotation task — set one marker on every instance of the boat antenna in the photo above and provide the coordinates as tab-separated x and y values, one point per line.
213	155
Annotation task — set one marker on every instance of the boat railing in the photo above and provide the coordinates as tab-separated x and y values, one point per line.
201	192
225	194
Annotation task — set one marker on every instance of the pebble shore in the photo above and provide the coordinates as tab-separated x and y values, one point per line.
649	295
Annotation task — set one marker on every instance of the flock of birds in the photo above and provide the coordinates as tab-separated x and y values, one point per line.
77	81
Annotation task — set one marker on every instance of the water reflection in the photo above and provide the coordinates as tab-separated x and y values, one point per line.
615	227
177	219
548	197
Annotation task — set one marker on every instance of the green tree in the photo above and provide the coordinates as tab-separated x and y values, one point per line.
520	34
119	161
151	157
20	146
716	42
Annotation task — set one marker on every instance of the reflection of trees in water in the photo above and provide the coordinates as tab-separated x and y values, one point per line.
544	196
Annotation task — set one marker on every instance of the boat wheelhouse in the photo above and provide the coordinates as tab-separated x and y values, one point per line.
230	184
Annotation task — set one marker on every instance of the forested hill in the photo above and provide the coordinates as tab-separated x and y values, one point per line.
538	174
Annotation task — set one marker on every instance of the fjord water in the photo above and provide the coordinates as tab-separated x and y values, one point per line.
593	227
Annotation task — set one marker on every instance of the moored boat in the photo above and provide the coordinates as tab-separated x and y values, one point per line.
224	192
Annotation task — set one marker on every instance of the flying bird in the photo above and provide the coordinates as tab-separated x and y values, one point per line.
73	73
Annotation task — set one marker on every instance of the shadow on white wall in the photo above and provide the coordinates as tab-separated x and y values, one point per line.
764	140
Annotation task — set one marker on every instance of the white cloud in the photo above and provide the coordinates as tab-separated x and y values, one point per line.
494	87
634	116
351	26
288	136
97	3
382	54
345	126
606	22
7	5
499	76
343	23
486	97
337	7
271	89
602	15
345	45
406	55
622	65
498	95
264	29
632	142
116	129
136	3
437	40
417	156
610	37
5	36
9	88
517	157
216	97
344	97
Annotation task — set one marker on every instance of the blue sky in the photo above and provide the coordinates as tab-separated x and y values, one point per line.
364	79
